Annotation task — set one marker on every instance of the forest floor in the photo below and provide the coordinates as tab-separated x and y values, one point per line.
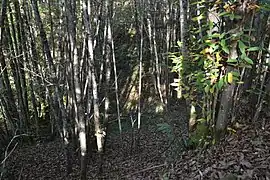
244	154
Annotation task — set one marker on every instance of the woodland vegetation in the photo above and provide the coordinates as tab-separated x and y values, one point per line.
135	89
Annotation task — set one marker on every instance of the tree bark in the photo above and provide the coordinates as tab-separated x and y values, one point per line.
226	98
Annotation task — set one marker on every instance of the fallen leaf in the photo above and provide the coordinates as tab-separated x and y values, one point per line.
246	163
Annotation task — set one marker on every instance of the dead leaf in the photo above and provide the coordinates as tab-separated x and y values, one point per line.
246	163
250	173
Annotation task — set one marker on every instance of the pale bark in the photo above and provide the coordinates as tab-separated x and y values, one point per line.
78	95
140	49
92	82
149	28
158	69
184	53
108	64
115	81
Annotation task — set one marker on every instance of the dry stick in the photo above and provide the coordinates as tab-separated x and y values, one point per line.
147	169
6	151
8	154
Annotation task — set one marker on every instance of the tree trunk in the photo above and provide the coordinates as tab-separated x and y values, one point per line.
226	98
184	53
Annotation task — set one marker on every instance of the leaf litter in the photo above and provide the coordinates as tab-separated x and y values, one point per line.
242	155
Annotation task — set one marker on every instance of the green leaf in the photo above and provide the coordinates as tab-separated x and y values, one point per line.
242	47
231	16
206	89
220	83
235	73
215	35
248	60
172	56
212	90
265	7
176	60
198	18
211	24
253	49
237	17
243	65
224	13
179	43
222	36
231	60
224	46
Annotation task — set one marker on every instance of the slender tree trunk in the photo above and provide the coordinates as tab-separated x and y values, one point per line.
226	98
78	95
184	53
99	133
115	74
158	70
150	35
108	64
139	5
51	28
168	46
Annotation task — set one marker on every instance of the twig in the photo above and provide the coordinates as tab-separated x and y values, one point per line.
147	169
7	155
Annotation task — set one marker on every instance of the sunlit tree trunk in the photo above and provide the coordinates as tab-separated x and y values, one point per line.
157	64
77	83
184	53
111	41
93	81
183	35
107	63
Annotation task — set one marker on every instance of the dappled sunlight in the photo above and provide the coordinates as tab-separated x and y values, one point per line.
134	89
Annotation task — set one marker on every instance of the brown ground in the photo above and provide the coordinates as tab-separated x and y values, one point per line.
242	155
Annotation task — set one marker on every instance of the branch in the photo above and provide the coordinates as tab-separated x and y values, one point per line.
6	151
147	169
